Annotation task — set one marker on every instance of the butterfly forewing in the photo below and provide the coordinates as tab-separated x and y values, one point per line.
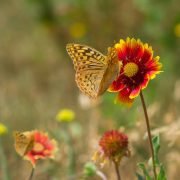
23	142
90	66
85	55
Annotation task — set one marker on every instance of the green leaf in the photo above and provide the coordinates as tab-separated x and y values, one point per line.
162	173
156	147
145	172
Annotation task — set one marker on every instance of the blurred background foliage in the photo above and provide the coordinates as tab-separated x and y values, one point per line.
37	80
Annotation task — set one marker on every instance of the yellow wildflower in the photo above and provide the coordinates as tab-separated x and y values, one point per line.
3	129
77	30
177	30
65	115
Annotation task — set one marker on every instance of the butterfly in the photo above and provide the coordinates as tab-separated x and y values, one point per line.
95	72
24	142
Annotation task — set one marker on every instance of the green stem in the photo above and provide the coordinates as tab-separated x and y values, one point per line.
71	152
32	173
149	134
71	155
3	162
117	171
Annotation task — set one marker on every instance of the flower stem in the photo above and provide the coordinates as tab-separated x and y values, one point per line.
117	171
3	162
149	134
32	173
101	175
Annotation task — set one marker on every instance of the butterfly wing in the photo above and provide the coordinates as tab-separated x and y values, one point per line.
90	66
112	71
23	142
89	82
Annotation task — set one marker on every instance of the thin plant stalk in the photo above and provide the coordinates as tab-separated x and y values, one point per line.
71	156
32	173
71	152
101	175
149	133
3	162
116	165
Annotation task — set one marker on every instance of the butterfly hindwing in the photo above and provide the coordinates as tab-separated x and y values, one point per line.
89	82
112	71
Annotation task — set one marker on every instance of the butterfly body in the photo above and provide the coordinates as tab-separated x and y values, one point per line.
94	71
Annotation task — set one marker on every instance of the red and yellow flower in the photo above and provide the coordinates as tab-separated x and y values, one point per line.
34	145
43	147
138	67
113	146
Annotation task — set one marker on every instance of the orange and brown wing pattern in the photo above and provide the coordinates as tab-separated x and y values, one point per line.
90	66
23	142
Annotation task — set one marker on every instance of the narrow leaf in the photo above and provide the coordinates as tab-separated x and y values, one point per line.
162	174
156	147
145	172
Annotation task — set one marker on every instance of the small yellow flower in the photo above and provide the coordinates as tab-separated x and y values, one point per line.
77	30
3	129
65	115
177	30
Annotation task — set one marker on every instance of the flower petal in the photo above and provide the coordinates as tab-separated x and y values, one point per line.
115	87
148	54
121	50
153	67
30	157
145	82
135	92
123	97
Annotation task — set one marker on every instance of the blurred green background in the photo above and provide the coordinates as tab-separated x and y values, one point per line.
37	80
